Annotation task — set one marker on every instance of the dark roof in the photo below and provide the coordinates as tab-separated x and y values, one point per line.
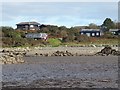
90	30
30	23
113	30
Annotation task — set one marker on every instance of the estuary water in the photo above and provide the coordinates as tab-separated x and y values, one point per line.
81	72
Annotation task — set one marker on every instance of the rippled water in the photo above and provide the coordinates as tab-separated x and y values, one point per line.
84	67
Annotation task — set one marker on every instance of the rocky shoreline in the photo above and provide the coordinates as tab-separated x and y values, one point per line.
14	56
105	51
10	58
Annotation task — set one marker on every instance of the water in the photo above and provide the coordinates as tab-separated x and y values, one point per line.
90	68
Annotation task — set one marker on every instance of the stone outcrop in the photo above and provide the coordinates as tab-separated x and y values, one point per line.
62	53
12	55
15	52
56	53
10	58
108	51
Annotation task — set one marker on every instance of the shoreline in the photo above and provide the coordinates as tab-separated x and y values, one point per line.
15	55
75	51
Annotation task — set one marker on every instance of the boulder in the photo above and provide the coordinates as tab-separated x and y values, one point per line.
62	53
108	51
10	58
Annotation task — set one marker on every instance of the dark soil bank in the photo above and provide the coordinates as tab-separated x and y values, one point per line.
63	72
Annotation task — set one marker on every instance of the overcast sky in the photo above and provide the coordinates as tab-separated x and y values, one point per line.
58	13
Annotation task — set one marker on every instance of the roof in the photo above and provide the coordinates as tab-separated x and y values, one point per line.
90	30
36	35
113	30
30	23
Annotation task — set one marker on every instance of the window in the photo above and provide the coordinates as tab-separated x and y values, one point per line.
97	34
88	34
31	25
81	33
93	34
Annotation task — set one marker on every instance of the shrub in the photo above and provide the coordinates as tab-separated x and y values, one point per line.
83	38
109	35
54	42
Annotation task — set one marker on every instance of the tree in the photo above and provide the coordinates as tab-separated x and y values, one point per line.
62	28
6	30
93	26
108	23
63	33
11	37
44	30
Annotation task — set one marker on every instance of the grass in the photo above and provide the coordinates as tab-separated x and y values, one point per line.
54	42
96	42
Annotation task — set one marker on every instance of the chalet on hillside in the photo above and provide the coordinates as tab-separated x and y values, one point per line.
91	32
28	26
115	31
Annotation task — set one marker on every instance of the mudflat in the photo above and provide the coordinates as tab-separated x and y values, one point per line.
63	72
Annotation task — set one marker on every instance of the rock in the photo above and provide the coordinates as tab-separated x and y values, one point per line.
113	52
62	53
11	58
108	51
36	54
46	55
41	54
59	53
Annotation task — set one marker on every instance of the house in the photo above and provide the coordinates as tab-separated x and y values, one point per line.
28	26
115	31
37	35
91	32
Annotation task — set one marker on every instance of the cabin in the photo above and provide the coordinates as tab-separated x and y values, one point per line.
91	32
28	26
115	31
37	35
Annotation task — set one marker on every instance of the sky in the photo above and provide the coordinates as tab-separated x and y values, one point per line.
67	14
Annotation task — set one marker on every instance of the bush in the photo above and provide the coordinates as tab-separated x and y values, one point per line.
109	35
54	42
83	38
